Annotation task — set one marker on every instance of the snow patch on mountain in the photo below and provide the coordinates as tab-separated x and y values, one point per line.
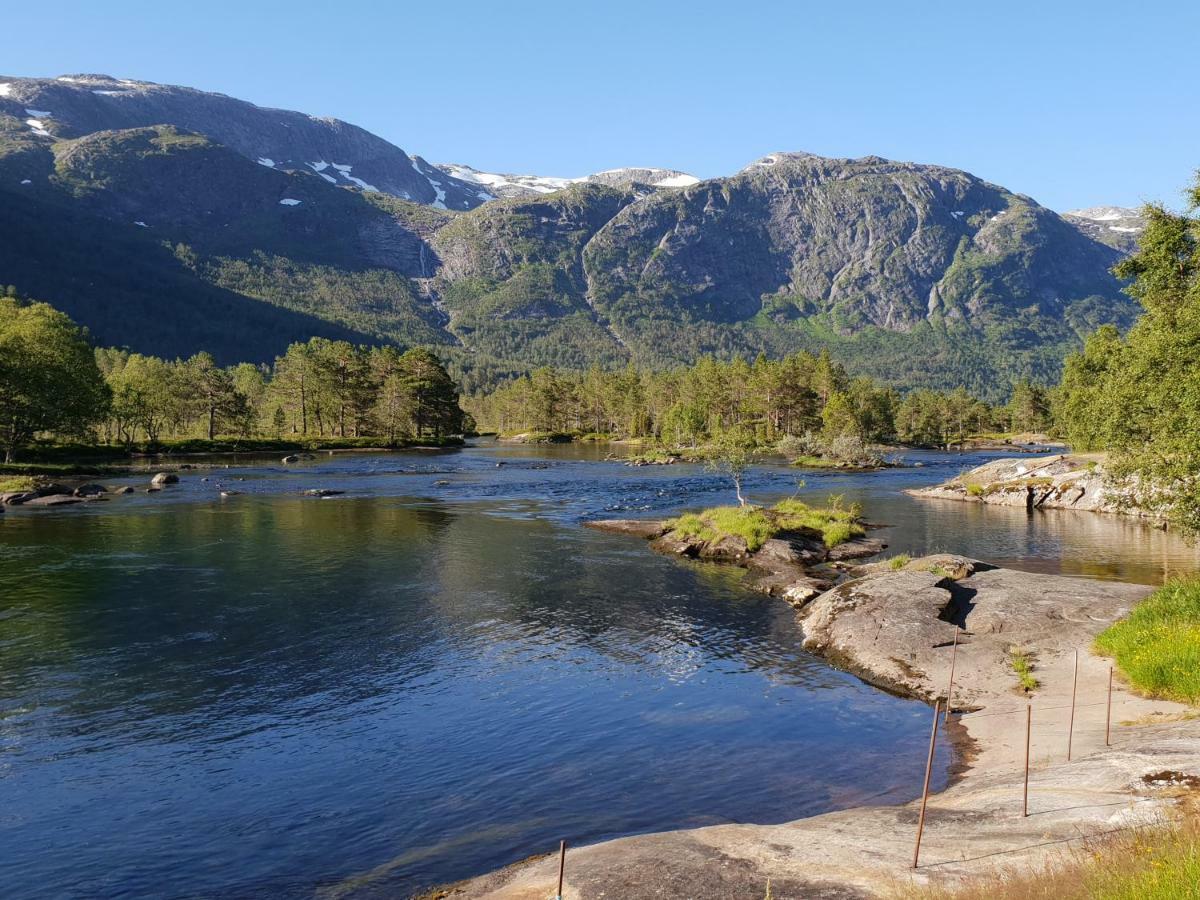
512	185
439	201
344	171
6	89
288	201
1105	213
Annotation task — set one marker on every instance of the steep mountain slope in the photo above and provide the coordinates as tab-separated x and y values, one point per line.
921	273
72	106
1116	226
171	243
172	240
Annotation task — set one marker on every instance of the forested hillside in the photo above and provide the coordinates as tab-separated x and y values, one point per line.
170	240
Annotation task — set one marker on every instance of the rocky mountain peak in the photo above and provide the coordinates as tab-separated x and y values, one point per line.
72	106
1116	226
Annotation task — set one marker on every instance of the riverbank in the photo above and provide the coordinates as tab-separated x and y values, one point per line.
895	628
1061	481
106	459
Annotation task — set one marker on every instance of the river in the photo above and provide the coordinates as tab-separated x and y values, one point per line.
439	671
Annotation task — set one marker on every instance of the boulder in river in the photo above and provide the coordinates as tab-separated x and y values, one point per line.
322	492
90	490
53	500
290	458
164	478
16	498
643	528
123	489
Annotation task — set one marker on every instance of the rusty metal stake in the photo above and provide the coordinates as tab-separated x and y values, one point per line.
562	864
950	686
937	709
1071	725
1028	729
1108	713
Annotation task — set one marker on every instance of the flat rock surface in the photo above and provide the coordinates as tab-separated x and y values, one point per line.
1061	481
896	628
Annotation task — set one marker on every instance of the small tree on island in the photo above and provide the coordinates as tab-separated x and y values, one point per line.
730	455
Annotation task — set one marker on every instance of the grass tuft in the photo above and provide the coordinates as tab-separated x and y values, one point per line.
899	561
1157	646
1022	665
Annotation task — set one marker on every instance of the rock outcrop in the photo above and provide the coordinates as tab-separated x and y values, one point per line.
895	628
793	565
1061	481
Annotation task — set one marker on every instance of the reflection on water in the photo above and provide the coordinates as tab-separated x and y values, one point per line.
274	695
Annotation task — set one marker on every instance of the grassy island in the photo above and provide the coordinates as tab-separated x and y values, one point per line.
756	524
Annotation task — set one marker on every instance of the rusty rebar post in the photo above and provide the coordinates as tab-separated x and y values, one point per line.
1028	731
950	686
1108	712
937	709
1071	723
562	865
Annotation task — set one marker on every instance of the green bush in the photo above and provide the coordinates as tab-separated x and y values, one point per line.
1157	646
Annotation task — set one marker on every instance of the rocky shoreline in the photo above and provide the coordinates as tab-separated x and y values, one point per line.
1061	481
793	565
894	626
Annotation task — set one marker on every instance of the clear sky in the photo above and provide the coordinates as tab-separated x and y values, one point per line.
1074	103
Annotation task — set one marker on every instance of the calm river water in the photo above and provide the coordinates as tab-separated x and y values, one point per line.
438	672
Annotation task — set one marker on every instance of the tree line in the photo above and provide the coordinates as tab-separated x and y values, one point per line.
1138	396
769	399
53	384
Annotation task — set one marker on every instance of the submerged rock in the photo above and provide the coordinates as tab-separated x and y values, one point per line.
643	528
322	492
90	490
16	498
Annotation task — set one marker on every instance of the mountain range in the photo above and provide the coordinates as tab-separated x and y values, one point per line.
171	220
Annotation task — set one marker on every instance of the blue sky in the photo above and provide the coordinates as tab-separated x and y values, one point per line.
1073	103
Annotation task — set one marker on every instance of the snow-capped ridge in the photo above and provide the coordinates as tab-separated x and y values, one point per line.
527	186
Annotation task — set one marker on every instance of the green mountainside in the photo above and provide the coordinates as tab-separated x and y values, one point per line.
169	242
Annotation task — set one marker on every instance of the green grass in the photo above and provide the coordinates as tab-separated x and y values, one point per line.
816	462
975	490
747	522
836	525
755	525
1157	646
1141	864
899	561
1022	665
16	483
